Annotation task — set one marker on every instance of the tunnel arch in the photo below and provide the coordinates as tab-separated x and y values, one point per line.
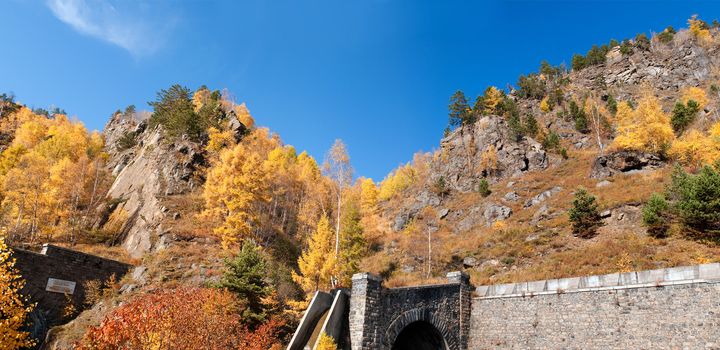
417	322
419	335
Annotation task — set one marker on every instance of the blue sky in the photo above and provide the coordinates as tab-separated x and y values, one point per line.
375	73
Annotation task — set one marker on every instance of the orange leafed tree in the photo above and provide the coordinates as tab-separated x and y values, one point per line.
13	308
186	318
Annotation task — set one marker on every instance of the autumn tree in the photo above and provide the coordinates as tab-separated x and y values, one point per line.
397	181
50	176
697	148
353	244
235	189
185	318
337	166
489	161
696	94
646	128
368	196
489	101
14	308
326	342
699	30
317	264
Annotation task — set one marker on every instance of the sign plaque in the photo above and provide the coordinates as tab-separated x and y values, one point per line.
60	286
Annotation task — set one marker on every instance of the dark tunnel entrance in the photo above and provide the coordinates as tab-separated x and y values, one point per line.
419	336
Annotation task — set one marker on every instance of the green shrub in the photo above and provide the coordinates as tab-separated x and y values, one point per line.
696	200
656	216
551	141
584	215
642	42
549	71
577	114
684	115
530	125
563	153
611	104
484	188
440	187
516	127
531	86
667	35
578	62
126	141
626	48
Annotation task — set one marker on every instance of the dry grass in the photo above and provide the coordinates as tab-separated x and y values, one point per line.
522	252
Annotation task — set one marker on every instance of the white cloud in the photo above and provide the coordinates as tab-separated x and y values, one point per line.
122	26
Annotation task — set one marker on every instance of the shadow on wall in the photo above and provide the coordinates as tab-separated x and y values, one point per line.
55	277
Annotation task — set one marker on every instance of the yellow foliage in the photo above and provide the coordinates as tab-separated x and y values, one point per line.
200	98
317	263
13	306
243	115
696	94
326	342
219	140
236	186
694	148
368	196
698	30
715	130
544	105
48	173
499	225
493	96
489	160
396	181
647	128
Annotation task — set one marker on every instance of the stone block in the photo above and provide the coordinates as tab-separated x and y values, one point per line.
482	291
537	286
504	289
610	280
591	282
628	278
682	273
709	271
651	276
458	277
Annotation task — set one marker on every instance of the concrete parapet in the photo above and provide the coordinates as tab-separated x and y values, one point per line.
636	279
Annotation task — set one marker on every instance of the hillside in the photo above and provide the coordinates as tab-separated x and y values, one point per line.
521	230
212	208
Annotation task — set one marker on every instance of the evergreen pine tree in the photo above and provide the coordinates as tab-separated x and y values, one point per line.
584	215
245	275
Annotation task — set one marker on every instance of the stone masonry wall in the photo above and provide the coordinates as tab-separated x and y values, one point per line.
378	315
64	264
632	313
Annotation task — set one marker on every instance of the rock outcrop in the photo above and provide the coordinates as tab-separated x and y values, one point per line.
149	169
462	165
623	162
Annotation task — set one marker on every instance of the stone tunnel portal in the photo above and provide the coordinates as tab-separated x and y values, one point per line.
419	335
